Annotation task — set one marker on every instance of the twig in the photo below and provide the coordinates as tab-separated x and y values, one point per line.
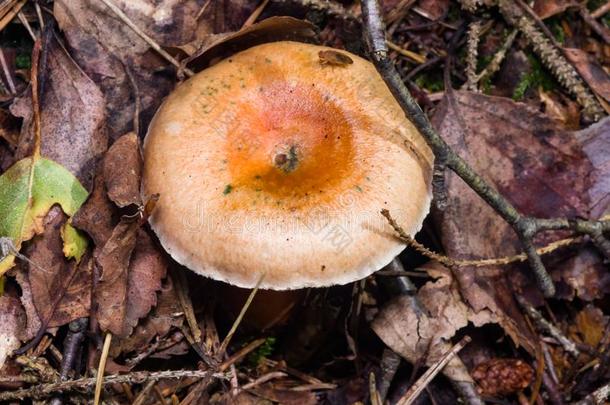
255	14
27	25
600	29
601	10
526	228
7	73
227	339
406	53
373	393
39	15
102	368
447	261
72	346
565	73
548	327
241	354
137	377
413	392
143	395
153	44
263	379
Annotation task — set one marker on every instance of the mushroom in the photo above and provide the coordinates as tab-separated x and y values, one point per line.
277	162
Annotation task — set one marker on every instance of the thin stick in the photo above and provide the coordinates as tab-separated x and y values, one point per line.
102	367
26	24
241	354
413	392
525	227
39	15
447	261
137	377
7	73
255	14
415	57
263	379
227	339
548	327
154	45
601	10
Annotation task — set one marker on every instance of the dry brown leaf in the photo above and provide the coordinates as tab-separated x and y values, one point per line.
97	215
165	315
590	325
531	160
12	325
269	30
123	170
72	115
591	71
118	60
111	293
434	9
132	267
168	22
595	142
53	277
549	8
424	333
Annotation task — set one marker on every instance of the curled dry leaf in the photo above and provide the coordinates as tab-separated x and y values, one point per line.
269	30
12	325
121	62
73	131
57	284
415	332
124	187
531	160
434	9
132	265
97	216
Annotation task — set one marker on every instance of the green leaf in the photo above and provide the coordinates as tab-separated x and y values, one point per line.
28	189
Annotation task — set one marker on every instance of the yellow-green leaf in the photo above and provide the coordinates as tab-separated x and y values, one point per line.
28	189
75	243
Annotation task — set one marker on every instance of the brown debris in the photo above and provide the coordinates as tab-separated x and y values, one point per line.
501	377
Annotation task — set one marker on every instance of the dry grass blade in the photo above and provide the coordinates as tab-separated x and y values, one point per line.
227	339
413	392
406	53
9	12
153	44
102	367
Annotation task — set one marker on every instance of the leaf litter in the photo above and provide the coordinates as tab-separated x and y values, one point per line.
99	85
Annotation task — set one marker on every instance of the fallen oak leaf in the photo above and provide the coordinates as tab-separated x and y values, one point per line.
124	188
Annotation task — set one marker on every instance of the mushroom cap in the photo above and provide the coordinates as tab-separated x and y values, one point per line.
276	162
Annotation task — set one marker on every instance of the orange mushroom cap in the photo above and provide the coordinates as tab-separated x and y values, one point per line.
276	162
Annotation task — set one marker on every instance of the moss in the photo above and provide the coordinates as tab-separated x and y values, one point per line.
536	77
264	351
431	81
